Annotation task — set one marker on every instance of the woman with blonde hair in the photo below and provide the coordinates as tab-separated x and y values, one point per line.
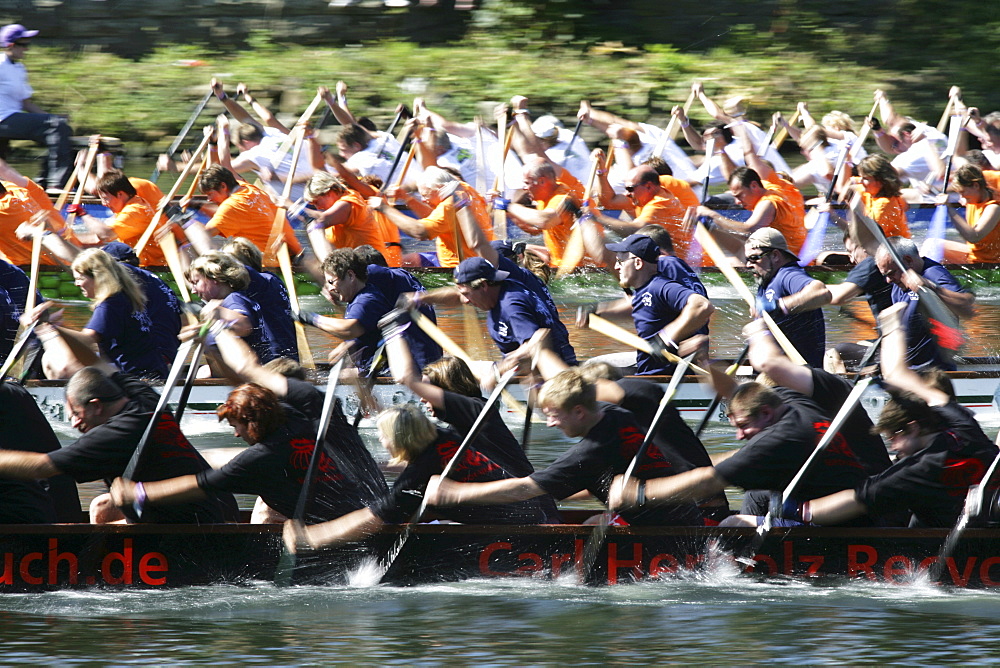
120	326
220	279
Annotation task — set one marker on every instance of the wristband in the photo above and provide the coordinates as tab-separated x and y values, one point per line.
640	494
806	513
500	204
223	97
602	171
517	112
685	125
461	204
314	227
140	499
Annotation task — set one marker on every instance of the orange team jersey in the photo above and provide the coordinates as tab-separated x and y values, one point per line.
442	225
130	223
16	207
889	213
249	212
992	180
147	190
790	211
570	183
556	236
681	190
359	229
391	248
986	249
666	211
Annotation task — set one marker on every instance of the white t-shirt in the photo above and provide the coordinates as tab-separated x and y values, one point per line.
264	154
735	152
14	87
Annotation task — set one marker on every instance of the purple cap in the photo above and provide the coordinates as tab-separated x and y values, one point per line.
477	267
13	32
639	245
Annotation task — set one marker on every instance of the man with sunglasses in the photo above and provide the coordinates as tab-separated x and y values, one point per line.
20	118
786	292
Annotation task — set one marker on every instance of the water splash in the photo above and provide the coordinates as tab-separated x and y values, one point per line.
368	574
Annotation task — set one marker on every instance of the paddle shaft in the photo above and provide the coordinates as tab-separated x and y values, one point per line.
395	162
610	329
184	132
718	397
572	140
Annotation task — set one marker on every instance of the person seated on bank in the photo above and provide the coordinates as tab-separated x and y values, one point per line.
220	279
369	292
979	226
665	312
112	410
940	451
769	209
412	439
120	326
881	195
278	418
781	428
922	347
788	293
610	439
438	219
455	398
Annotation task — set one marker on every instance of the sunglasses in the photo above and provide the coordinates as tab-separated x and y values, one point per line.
754	259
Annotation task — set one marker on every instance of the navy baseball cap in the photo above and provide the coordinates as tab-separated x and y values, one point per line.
476	268
121	252
13	32
639	245
504	248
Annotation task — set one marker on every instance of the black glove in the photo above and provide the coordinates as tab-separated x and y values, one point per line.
307	318
789	510
661	347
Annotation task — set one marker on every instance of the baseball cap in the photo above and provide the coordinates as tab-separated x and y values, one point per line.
768	237
504	248
121	252
476	267
546	127
639	245
13	32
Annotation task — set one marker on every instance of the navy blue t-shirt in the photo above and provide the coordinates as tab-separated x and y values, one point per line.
379	296
677	270
9	314
878	291
654	306
275	311
127	337
257	339
16	282
806	330
164	310
921	348
518	314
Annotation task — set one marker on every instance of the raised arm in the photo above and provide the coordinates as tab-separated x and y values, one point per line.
767	357
895	371
266	117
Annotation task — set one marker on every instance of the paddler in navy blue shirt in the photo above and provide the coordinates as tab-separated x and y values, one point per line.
922	350
665	312
368	300
787	292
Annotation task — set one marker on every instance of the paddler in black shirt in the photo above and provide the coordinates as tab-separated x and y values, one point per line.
277	417
610	439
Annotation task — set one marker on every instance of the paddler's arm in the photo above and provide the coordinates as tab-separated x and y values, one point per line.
181	489
753	161
447	492
342	328
695	315
534	218
404	371
895	371
984	226
834	509
348	528
962	304
699	483
21	465
767	357
813	296
762	216
410	226
238	357
446	296
617	307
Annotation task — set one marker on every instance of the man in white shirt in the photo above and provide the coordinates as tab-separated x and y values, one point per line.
20	118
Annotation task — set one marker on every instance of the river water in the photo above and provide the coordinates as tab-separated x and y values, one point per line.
714	616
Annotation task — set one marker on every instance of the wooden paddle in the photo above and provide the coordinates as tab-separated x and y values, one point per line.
974	506
934	243
472	434
600	532
499	216
449	346
88	164
20	345
575	250
789	492
572	140
711	247
184	132
781	135
943	325
673	127
287	561
611	330
395	162
817	221
863	135
154	223
289	141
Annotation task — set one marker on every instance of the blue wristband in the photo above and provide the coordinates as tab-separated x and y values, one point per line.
500	204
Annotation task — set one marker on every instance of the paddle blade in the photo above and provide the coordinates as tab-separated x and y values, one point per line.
574	252
934	246
814	240
944	326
